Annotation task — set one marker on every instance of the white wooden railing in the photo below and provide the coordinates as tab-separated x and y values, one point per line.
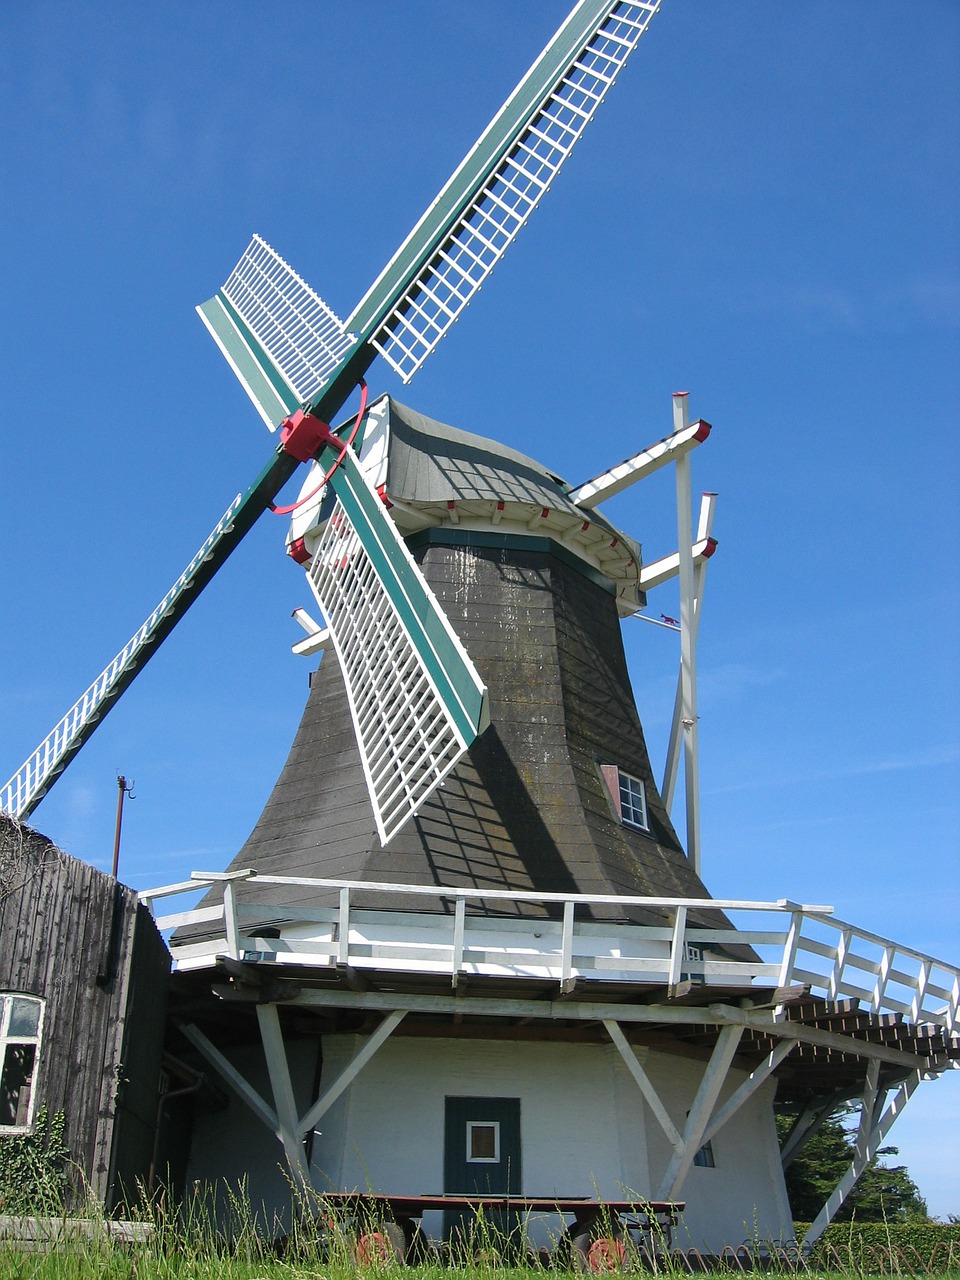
792	943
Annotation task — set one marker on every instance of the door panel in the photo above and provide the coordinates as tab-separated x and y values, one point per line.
481	1156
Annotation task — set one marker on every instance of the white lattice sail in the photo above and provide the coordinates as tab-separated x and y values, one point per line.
23	792
416	699
279	337
459	266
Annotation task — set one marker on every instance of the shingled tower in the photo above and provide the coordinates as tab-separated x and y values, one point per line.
536	804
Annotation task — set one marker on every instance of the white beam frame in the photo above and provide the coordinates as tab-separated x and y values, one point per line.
592	492
656	572
870	1134
565	1009
688	658
285	1122
700	1111
702	1122
708	504
922	989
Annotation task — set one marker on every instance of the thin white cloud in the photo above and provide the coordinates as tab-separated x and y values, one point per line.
730	680
931	758
923	299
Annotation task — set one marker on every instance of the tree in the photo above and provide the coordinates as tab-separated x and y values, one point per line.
883	1193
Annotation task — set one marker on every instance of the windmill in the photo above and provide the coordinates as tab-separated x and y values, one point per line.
299	364
248	332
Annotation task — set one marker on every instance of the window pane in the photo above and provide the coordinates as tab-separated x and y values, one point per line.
24	1017
483	1141
632	800
704	1157
15	1083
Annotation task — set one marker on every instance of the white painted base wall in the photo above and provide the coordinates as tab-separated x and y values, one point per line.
585	1131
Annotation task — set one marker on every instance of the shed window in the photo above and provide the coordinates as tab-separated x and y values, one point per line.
704	1157
21	1018
628	796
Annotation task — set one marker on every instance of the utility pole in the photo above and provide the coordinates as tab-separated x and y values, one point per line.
123	788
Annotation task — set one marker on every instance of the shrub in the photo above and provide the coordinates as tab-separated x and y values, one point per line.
885	1248
33	1167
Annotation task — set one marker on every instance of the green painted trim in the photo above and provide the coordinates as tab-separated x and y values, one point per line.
490	149
278	379
455	677
201	569
510	542
257	373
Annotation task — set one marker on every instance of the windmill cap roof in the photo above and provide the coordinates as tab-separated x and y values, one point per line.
430	461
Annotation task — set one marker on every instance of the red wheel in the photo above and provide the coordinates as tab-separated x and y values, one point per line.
381	1247
602	1255
605	1255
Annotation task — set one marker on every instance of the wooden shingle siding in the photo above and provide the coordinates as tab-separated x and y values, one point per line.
80	942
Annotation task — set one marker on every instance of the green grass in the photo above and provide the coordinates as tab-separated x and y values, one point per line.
190	1243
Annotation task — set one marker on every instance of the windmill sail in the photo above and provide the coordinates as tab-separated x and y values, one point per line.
279	337
450	252
476	217
415	697
24	791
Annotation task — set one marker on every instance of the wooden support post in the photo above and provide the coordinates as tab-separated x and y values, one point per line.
644	1084
839	960
688	666
677	948
458	926
350	1072
283	1098
566	948
700	1110
230	920
749	1087
872	1132
707	509
790	948
231	1076
343	928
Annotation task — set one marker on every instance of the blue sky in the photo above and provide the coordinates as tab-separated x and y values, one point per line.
763	213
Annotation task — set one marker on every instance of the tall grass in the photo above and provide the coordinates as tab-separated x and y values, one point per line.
220	1236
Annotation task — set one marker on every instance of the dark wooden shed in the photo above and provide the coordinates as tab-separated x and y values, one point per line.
83	989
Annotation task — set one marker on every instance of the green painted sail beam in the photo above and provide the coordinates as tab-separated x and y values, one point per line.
257	372
272	392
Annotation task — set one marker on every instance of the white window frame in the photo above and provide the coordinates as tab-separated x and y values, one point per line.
483	1124
8	1040
630	787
